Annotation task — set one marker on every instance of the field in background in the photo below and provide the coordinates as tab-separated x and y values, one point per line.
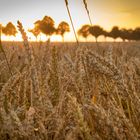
70	92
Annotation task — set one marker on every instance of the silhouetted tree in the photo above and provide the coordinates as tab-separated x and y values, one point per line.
96	31
46	26
35	31
115	33
136	34
63	27
105	34
84	31
128	34
124	34
9	29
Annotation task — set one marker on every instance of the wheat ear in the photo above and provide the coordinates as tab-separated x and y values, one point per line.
86	7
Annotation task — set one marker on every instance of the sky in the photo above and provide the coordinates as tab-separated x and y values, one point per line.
106	13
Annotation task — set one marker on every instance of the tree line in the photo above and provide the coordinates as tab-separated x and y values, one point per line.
116	32
47	27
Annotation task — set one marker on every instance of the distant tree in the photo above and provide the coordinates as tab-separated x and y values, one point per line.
105	34
46	26
9	30
124	34
63	27
136	34
129	34
96	31
84	31
35	31
37	24
115	33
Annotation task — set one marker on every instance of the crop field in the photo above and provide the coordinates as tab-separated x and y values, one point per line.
61	91
74	77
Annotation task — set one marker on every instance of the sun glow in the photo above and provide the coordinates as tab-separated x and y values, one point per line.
42	37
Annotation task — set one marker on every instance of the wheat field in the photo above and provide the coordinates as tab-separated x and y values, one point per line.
70	91
65	91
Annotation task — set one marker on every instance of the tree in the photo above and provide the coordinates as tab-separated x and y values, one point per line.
136	34
46	26
84	31
124	33
129	34
9	29
105	34
115	33
35	31
63	27
37	24
96	31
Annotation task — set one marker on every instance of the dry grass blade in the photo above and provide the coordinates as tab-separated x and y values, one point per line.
86	7
67	6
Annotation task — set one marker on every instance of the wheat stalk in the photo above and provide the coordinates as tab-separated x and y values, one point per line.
25	40
66	2
33	71
86	7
